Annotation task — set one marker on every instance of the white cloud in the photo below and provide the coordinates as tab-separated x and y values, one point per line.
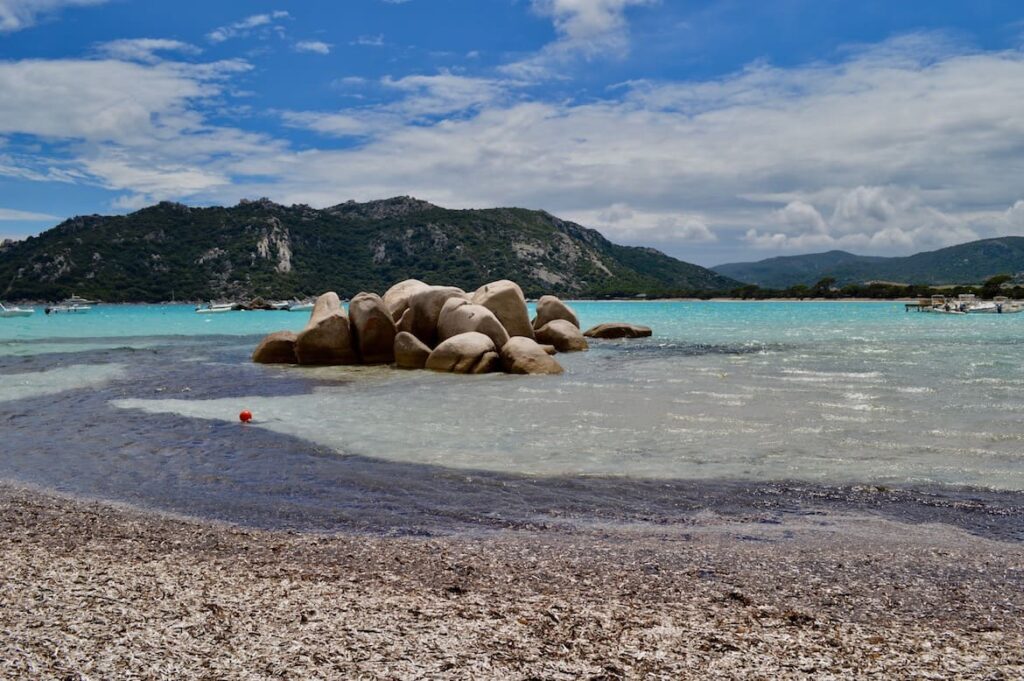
584	28
421	97
144	49
369	40
912	144
25	216
245	26
16	15
315	46
622	222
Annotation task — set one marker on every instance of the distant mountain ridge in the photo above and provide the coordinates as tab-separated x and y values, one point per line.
969	263
260	248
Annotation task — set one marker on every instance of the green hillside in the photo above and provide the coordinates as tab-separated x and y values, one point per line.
261	248
970	263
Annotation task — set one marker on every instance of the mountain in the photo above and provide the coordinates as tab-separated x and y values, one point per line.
970	263
262	248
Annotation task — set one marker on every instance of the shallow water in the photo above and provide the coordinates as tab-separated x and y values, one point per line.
729	403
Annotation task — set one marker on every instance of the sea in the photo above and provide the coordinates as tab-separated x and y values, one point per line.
747	410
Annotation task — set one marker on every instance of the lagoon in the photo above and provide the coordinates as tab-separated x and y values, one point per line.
140	403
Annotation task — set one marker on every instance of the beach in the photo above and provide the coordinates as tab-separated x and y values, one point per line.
94	590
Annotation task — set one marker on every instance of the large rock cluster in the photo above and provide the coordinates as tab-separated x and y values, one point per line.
441	328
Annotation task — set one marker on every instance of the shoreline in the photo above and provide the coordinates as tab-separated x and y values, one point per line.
98	590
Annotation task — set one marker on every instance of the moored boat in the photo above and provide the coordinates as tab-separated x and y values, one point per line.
304	306
8	312
78	301
215	308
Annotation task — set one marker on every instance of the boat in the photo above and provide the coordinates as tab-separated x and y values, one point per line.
281	305
305	306
78	301
215	308
67	309
8	312
968	303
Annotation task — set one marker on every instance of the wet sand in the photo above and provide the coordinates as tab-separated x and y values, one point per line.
91	590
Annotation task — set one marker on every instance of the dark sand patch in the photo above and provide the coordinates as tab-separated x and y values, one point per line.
91	590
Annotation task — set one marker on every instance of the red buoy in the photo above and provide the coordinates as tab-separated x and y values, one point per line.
245	416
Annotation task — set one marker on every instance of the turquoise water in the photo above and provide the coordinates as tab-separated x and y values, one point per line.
818	393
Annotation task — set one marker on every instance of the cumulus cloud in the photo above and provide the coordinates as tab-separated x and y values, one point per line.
16	15
246	26
907	145
315	46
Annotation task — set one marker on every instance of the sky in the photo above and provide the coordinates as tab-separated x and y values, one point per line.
714	130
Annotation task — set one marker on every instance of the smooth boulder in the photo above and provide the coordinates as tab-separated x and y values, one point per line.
505	299
373	328
525	356
424	309
563	335
327	339
396	299
460	316
550	308
461	354
617	330
410	351
277	348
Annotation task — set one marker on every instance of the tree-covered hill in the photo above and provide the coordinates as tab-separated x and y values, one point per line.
259	248
970	263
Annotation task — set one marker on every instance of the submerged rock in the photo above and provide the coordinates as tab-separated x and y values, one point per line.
277	348
550	308
462	354
563	335
410	351
505	299
617	330
373	328
525	356
327	339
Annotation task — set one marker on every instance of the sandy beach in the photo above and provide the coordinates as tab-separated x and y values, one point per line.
93	591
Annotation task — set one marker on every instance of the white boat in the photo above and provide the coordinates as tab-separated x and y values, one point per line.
301	307
968	303
68	309
216	308
281	305
78	301
8	312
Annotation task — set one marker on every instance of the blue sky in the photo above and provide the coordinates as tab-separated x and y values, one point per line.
713	130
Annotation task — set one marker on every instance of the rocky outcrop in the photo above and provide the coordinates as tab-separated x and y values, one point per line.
550	308
460	316
397	297
410	351
327	339
424	309
505	299
617	330
373	328
523	355
277	348
462	354
439	328
563	335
